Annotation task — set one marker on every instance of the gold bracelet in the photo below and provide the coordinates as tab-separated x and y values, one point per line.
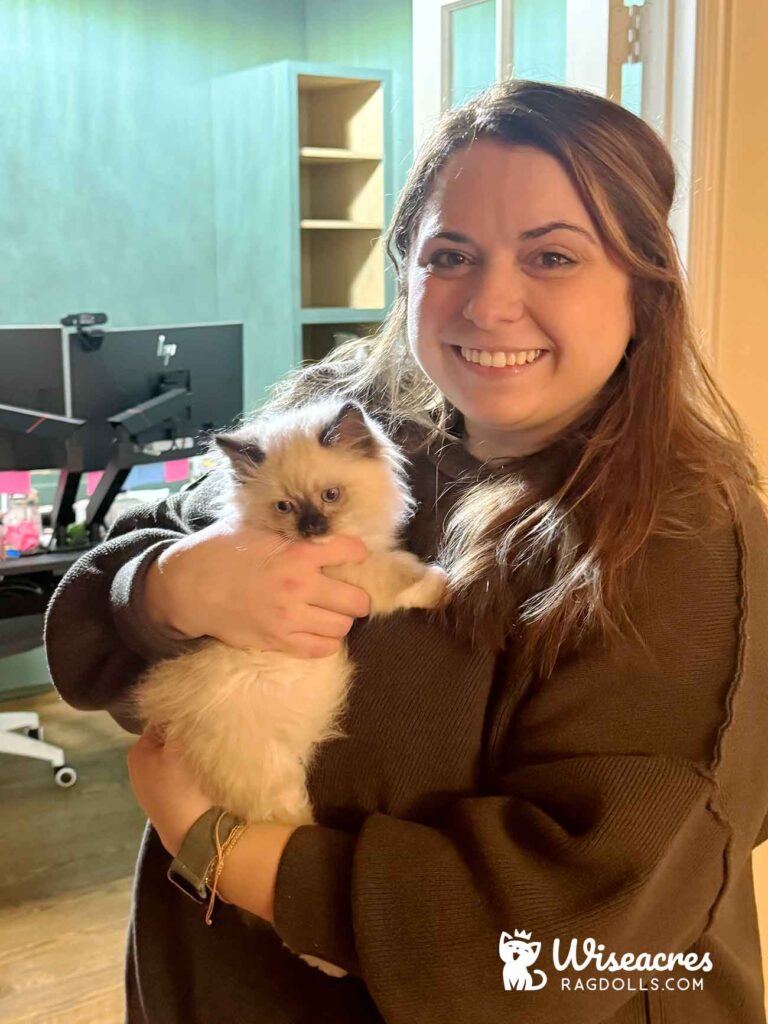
218	865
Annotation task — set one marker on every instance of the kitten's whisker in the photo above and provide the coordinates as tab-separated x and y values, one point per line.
281	543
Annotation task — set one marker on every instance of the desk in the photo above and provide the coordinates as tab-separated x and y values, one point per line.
27	583
55	562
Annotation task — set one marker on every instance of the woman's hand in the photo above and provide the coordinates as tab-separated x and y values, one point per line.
165	789
173	801
248	589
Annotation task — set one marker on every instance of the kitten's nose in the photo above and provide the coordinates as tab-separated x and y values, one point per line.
312	524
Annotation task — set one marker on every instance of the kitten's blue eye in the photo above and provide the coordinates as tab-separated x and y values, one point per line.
331	494
284	506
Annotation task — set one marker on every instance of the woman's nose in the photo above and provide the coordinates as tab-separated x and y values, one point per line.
496	296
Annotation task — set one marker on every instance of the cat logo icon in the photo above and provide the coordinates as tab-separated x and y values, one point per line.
518	954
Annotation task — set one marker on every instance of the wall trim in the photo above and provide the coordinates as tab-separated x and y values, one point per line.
710	120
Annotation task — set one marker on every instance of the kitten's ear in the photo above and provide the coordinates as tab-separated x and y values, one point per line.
504	938
245	456
350	428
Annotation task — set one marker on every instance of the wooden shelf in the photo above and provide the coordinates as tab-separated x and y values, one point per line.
340	315
326	225
331	155
341	193
342	114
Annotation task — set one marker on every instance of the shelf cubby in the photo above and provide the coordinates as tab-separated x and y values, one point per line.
303	172
319	339
341	267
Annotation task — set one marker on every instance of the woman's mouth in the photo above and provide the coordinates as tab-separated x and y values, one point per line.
490	363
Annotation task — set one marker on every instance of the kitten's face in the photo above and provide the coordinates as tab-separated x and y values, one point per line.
318	472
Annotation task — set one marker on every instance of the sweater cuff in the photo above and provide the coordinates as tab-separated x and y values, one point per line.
137	631
313	895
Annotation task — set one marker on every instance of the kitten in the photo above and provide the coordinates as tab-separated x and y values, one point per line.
250	721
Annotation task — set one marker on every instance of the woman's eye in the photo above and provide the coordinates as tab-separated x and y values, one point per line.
558	257
448	259
284	506
331	494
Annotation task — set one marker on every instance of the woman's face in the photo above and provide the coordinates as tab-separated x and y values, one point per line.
507	261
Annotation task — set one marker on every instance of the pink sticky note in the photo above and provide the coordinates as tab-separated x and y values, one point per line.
176	470
15	482
92	482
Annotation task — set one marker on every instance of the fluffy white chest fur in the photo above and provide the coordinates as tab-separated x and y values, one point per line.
249	723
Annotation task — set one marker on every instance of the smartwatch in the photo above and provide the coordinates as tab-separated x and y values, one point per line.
192	867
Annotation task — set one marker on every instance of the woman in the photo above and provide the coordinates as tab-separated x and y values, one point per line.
569	765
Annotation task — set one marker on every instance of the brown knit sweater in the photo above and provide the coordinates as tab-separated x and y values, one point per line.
619	801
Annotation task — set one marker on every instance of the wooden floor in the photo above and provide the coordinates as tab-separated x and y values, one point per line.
68	857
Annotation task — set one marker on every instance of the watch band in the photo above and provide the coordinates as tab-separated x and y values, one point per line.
190	868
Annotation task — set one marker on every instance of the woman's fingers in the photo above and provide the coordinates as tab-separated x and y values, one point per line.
309	645
340	597
322	622
336	551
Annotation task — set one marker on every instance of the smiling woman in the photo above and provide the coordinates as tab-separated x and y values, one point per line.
535	220
527	276
575	744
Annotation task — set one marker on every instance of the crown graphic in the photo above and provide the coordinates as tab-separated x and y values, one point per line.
522	935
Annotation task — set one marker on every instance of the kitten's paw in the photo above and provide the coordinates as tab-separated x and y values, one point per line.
428	592
323	965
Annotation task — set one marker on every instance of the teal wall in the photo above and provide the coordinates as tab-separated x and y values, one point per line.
106	188
106	162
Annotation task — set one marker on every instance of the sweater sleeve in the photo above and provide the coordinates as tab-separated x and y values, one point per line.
98	638
627	793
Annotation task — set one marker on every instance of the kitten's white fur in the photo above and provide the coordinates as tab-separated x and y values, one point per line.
250	721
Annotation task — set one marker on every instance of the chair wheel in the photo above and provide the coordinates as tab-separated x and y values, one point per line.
35	734
65	776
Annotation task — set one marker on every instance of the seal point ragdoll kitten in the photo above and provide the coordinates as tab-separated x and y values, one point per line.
249	721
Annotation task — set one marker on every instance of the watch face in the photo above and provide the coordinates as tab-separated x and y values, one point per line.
193	887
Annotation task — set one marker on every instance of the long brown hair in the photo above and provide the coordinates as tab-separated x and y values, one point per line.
554	567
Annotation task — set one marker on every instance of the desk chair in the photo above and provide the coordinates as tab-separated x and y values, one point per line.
18	634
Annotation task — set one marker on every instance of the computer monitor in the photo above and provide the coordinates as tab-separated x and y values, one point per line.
33	374
132	366
148	394
31	439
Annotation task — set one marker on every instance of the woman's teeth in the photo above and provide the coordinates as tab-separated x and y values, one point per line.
485	358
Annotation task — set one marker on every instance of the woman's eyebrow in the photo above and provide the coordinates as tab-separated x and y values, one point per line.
543	229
